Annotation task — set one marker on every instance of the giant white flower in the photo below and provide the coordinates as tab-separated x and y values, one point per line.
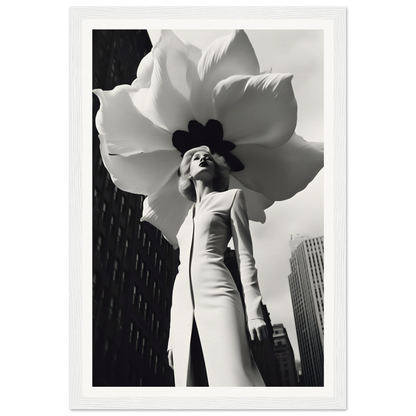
183	97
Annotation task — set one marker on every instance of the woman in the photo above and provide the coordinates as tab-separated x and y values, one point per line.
208	342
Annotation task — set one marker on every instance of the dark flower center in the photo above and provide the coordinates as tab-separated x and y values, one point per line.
210	135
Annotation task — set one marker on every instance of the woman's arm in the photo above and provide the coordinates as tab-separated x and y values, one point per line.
248	272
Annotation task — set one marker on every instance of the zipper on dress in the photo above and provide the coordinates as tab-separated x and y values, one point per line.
190	257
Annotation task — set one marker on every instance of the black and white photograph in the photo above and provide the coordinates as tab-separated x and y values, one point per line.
254	99
208	211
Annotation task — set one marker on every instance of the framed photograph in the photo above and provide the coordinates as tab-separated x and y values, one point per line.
265	89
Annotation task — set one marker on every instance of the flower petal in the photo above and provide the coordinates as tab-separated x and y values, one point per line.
144	71
192	56
166	102
125	130
142	173
228	55
166	209
224	57
258	110
256	202
282	172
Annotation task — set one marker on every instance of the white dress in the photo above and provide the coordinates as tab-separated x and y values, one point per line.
206	295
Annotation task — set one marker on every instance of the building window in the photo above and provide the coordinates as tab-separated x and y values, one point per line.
112	224
129	216
99	242
115	193
156	363
123	280
115	270
108	259
145	311
103	211
143	347
131	332
149	247
136	265
134	294
136	347
151	356
118	235
123	200
120	318
126	247
111	308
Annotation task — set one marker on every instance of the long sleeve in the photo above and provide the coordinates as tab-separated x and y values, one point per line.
244	253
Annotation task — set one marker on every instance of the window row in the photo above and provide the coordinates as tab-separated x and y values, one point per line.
146	351
119	277
320	293
130	212
157	295
153	360
141	266
146	243
122	206
143	307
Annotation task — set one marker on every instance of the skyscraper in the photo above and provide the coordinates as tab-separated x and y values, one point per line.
283	352
133	265
306	283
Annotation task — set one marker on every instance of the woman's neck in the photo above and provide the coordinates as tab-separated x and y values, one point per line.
202	189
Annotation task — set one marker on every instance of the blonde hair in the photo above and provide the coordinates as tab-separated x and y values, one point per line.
221	178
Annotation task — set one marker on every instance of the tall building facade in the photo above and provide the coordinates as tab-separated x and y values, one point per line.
306	282
285	357
133	265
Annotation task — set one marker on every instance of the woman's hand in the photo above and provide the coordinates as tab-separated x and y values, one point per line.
170	359
257	329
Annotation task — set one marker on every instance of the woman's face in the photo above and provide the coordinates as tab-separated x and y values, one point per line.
202	166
